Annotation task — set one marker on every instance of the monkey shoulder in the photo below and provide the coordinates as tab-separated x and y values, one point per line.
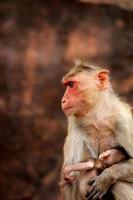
124	130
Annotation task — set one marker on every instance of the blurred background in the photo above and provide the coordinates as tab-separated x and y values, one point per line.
39	41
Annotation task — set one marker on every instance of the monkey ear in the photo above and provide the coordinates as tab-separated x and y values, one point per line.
103	79
104	155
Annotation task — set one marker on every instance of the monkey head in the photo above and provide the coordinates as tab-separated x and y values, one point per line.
84	87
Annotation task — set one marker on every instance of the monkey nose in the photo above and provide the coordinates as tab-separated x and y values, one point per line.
63	101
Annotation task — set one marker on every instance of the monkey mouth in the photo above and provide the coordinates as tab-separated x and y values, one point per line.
67	108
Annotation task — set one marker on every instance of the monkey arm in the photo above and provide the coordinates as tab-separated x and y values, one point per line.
77	167
123	171
120	172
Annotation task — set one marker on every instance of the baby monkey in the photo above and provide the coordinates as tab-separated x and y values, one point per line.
92	168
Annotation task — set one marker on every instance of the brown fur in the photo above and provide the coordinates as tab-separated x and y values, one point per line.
105	122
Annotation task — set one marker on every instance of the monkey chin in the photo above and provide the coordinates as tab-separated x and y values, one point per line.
70	111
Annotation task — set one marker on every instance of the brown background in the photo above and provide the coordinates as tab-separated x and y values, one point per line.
39	40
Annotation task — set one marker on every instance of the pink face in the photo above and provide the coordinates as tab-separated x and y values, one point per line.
82	92
73	98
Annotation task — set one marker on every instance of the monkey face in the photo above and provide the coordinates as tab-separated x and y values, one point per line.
75	100
83	91
71	100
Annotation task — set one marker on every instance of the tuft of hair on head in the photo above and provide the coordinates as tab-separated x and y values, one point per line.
80	66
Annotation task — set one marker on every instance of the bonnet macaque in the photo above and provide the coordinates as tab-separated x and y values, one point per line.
105	159
98	120
92	168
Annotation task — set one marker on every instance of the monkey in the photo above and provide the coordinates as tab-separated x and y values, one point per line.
105	159
93	168
98	120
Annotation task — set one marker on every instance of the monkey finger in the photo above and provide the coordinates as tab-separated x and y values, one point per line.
91	196
72	178
101	195
91	189
96	196
69	179
92	192
68	176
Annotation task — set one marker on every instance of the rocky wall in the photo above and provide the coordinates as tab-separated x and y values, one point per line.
39	41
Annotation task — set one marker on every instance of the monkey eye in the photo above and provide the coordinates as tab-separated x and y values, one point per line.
71	84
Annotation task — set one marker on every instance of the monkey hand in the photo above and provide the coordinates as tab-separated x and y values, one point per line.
68	175
99	186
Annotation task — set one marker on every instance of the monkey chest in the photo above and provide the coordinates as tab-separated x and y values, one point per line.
97	145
